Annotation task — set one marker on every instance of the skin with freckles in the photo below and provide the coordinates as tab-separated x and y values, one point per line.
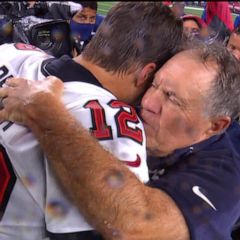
26	94
143	222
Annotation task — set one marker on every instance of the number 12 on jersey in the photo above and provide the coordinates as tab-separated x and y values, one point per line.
102	131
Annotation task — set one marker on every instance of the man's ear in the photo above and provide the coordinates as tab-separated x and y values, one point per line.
219	125
146	73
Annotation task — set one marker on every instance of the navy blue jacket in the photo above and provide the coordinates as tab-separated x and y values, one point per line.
204	181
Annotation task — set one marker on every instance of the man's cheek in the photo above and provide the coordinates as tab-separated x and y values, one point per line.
175	125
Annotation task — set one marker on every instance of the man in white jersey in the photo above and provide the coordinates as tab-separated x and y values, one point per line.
113	71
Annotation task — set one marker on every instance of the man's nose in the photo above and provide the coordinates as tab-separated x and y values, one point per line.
88	21
153	101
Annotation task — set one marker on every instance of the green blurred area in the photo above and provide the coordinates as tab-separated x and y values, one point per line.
103	8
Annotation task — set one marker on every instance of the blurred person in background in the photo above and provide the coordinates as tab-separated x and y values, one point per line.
178	8
233	44
194	26
219	20
5	8
28	8
203	16
83	20
167	3
84	24
237	21
61	9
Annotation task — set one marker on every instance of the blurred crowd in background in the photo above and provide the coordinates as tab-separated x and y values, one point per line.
57	27
66	27
216	23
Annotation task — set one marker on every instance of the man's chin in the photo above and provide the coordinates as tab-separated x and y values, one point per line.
155	152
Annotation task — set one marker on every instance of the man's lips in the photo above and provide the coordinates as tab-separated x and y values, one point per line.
147	117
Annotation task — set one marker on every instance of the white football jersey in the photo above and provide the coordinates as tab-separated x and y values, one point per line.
114	123
23	180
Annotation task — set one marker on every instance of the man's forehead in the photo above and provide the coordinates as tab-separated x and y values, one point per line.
180	58
192	61
88	10
186	68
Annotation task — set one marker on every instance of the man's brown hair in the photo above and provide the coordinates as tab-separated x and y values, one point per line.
134	34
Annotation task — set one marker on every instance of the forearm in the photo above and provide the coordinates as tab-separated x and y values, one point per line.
81	169
106	192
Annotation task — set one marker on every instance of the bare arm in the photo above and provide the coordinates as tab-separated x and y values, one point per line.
106	192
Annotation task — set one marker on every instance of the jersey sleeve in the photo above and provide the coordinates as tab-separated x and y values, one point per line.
23	60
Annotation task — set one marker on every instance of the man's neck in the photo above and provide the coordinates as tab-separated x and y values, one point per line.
110	81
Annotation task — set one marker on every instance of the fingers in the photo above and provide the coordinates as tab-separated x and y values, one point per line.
55	82
21	90
54	85
14	82
3	116
10	83
53	78
17	93
3	92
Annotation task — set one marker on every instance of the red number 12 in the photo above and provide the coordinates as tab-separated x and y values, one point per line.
102	131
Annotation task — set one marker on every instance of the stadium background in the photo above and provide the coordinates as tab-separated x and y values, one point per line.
103	8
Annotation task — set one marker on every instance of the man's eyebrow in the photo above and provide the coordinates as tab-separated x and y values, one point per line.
160	80
181	100
236	47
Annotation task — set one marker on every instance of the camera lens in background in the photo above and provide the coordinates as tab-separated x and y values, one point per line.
52	36
43	39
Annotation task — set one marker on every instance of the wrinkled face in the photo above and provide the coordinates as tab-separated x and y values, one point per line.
86	15
173	107
234	45
190	27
